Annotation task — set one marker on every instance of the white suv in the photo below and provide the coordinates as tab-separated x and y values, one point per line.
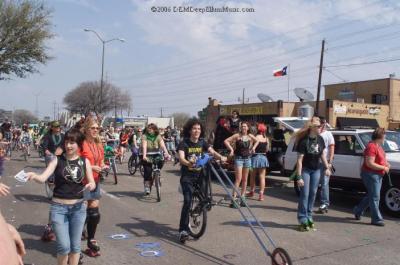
349	148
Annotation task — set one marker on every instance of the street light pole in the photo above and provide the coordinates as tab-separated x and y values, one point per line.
102	63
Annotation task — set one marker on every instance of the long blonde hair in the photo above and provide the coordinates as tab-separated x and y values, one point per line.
89	122
305	131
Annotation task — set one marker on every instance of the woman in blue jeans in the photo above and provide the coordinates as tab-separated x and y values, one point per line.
311	151
68	210
375	166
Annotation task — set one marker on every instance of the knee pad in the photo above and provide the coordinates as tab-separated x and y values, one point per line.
93	215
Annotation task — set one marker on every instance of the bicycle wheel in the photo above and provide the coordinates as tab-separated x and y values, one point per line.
157	183
141	169
132	167
197	218
280	257
49	189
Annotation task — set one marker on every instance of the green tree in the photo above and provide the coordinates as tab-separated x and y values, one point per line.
22	116
24	29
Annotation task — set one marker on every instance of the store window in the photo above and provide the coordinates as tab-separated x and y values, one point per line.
378	99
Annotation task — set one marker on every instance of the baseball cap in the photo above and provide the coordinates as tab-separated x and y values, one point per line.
55	124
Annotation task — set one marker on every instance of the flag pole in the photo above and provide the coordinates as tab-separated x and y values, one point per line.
288	83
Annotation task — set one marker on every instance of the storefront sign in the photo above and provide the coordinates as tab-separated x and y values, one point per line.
251	111
374	111
339	109
346	94
358	111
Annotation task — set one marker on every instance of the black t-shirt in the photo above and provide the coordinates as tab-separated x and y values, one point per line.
312	149
192	150
68	177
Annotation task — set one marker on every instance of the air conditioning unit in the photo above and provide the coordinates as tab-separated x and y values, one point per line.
360	100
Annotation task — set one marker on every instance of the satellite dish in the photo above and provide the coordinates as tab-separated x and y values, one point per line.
264	98
303	94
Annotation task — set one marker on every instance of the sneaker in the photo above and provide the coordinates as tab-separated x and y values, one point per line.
381	224
261	197
146	191
250	194
304	228
242	202
183	236
356	216
311	225
234	204
323	209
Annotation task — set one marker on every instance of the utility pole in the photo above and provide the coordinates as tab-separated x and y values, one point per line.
37	105
161	112
244	89
54	110
321	66
58	111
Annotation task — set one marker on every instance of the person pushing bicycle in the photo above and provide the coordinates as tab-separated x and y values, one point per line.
190	149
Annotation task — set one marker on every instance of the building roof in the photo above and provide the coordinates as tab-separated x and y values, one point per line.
371	80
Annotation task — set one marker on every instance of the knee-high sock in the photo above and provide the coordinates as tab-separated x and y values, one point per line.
93	218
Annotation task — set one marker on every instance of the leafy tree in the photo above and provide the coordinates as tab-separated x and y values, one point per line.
180	118
85	98
24	28
21	116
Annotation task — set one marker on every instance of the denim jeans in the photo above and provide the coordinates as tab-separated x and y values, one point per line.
307	194
373	183
324	187
187	191
67	222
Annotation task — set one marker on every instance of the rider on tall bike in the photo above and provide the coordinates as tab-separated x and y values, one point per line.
26	138
190	149
151	143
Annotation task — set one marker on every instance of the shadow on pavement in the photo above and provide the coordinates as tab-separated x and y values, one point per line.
32	198
167	235
37	244
138	195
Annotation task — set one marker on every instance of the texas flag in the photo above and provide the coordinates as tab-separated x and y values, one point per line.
280	72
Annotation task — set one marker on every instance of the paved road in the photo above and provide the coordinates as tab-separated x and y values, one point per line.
338	240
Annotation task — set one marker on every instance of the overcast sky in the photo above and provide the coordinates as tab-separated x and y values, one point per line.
177	60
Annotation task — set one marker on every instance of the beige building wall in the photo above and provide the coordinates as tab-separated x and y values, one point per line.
362	89
394	102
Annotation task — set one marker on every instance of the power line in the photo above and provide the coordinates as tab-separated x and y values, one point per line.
364	63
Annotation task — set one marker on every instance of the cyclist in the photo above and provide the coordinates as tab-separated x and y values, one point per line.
73	176
6	130
123	145
190	148
135	141
151	142
52	146
26	139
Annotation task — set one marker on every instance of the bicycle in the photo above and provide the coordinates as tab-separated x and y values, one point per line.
25	151
110	162
133	163
155	158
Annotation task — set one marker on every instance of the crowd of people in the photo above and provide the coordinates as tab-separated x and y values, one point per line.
75	159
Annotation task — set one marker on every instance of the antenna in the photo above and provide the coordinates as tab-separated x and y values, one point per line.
264	98
303	94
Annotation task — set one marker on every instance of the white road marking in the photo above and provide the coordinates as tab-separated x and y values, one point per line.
109	195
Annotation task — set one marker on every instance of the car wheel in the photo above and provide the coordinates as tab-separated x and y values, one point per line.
390	198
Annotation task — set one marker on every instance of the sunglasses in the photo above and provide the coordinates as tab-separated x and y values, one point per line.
94	128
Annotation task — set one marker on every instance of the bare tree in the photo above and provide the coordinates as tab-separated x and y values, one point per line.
85	98
180	118
24	28
21	116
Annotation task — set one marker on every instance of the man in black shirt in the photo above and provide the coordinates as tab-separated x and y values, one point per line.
190	149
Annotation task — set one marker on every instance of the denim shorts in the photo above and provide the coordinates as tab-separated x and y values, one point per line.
241	161
259	161
67	222
93	195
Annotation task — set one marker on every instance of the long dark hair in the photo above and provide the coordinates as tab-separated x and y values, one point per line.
154	127
75	135
189	125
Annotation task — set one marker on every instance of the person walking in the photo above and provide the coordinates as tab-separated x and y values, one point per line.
330	152
72	176
374	168
311	151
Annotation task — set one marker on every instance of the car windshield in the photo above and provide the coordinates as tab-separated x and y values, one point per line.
391	144
296	124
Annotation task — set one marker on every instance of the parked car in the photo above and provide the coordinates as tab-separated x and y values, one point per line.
349	148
